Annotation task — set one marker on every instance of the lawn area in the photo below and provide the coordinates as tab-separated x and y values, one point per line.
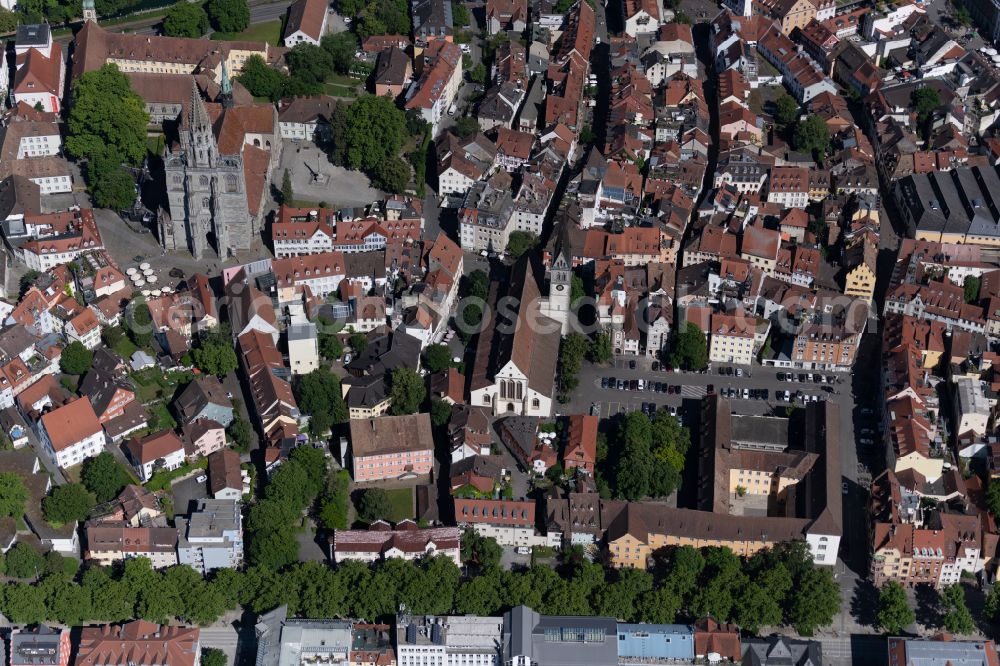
269	32
162	480
163	417
73	473
339	90
401	500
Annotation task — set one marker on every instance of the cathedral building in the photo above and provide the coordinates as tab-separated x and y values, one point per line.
517	352
217	174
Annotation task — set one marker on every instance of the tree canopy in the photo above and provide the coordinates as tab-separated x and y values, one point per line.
229	15
786	110
68	503
812	136
261	80
437	358
319	391
13	495
955	615
107	118
104	476
651	455
215	358
75	359
690	348
520	242
406	390
185	19
894	612
374	505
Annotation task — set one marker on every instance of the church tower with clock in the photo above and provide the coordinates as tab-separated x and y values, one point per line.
557	305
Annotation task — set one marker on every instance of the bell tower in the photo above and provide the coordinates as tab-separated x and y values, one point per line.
89	11
560	288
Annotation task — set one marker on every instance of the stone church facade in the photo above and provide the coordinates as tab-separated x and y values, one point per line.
217	177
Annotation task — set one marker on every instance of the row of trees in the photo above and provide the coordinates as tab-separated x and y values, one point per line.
377	17
193	19
772	588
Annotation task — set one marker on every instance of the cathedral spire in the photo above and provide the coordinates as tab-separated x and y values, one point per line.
197	116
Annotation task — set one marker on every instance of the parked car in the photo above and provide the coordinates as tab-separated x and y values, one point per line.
631	365
739	372
523	550
843	487
656	366
781	376
201	478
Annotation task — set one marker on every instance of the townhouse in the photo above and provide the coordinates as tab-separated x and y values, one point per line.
438	85
510	522
71	433
391	447
162	450
211	537
405	541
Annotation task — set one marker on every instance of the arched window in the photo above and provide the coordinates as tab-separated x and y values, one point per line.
203	181
178	179
486	399
535	403
231	184
205	202
503	389
256	143
520	391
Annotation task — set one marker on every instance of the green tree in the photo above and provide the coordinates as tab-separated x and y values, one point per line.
816	601
69	503
459	15
520	242
478	73
333	504
571	352
76	359
991	607
925	100
600	349
109	184
406	390
319	391
465	127
482	551
104	476
812	136
786	110
216	359
24	604
13	495
8	21
971	287
213	657
23	561
241	432
374	132
358	343
140	324
690	348
392	174
261	80
374	505
287	195
271	542
330	347
962	16
229	15
185	19
107	118
310	62
440	413
894	612
955	615
437	358
27	281
341	46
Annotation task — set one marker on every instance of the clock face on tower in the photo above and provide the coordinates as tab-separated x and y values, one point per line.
559	287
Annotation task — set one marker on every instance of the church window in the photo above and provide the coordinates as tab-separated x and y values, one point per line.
535	403
231	184
203	181
178	179
486	399
256	143
520	391
503	389
204	202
